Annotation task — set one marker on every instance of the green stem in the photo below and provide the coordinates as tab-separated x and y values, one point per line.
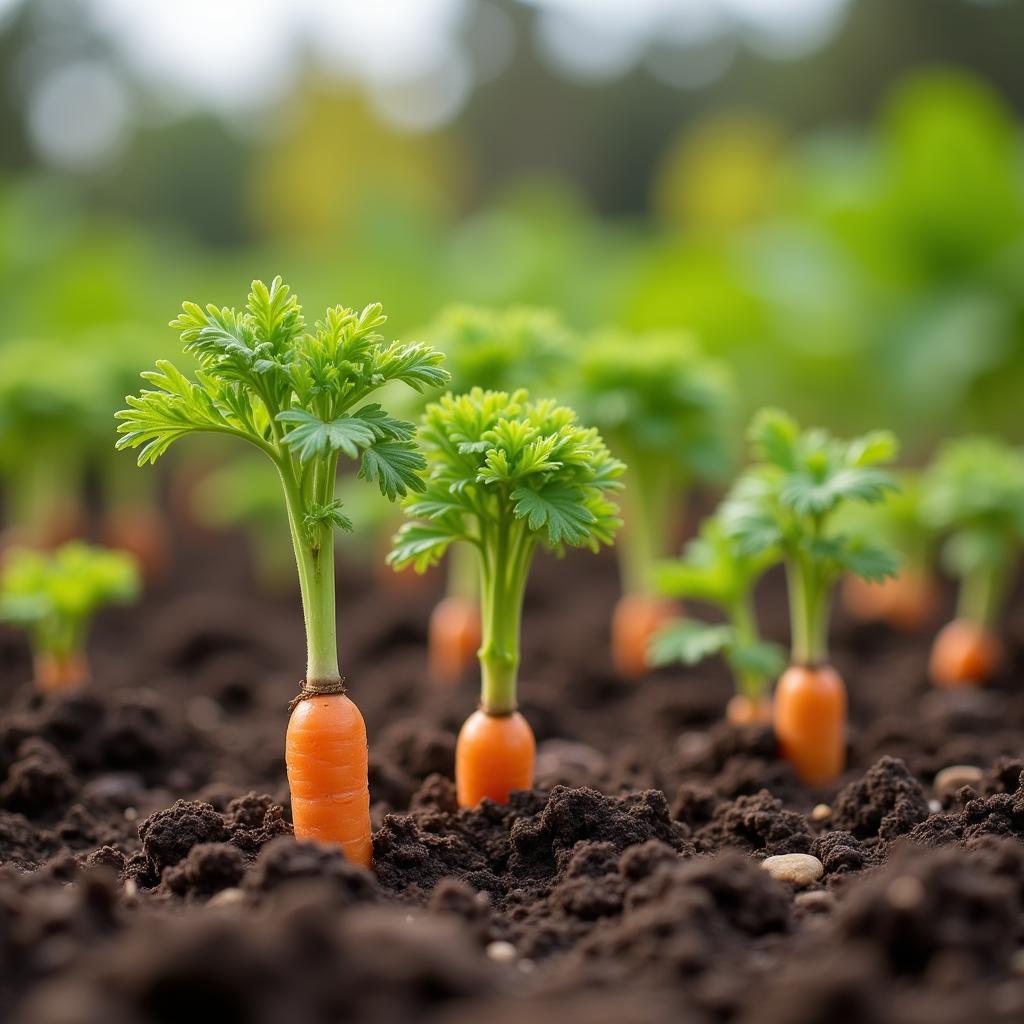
809	606
982	593
647	507
741	614
463	574
314	558
505	565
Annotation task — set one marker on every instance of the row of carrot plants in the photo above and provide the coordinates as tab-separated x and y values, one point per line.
494	473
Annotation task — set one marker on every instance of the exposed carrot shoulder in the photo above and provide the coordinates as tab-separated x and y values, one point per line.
494	756
810	722
637	617
964	654
744	710
326	756
453	639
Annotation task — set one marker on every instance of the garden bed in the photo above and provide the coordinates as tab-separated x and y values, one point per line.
149	873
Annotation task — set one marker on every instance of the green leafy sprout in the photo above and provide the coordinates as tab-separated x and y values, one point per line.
54	595
664	407
974	495
302	397
787	501
714	569
497	350
507	475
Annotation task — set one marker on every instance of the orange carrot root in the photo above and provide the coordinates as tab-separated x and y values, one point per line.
637	617
494	755
964	654
743	710
60	674
908	602
326	757
453	639
810	722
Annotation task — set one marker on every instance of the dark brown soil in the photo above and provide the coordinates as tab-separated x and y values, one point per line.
149	873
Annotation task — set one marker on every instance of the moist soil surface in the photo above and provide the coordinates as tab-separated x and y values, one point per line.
149	873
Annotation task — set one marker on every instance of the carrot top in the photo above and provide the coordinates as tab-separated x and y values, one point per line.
665	407
715	569
54	595
301	395
787	500
506	475
974	494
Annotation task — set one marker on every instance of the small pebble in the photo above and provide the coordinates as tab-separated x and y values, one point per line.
905	892
501	952
821	812
226	898
798	868
950	779
817	902
934	807
131	888
131	814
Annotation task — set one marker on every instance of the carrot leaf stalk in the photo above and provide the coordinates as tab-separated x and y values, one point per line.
303	396
55	595
664	407
506	476
716	571
787	501
974	495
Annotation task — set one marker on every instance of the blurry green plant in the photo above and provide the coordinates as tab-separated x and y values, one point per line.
715	570
54	595
974	495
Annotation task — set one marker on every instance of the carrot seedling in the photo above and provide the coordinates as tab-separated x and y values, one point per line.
974	494
506	475
787	501
301	396
55	595
715	570
663	406
908	601
496	350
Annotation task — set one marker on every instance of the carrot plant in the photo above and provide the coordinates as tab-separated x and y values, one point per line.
496	350
716	570
975	496
507	476
909	600
787	501
664	407
54	596
302	397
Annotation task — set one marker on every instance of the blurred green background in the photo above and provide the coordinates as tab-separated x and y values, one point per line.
829	194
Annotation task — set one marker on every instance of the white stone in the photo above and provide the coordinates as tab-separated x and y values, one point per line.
502	952
950	779
798	868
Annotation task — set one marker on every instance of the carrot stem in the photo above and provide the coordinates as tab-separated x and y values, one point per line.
741	615
647	508
982	593
809	605
504	567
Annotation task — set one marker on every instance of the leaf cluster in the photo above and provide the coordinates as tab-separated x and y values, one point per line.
498	460
500	350
974	491
55	594
659	400
299	393
799	479
690	641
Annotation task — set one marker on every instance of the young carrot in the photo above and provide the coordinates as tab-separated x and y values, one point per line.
506	475
787	502
664	406
55	595
715	570
300	397
495	350
975	496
